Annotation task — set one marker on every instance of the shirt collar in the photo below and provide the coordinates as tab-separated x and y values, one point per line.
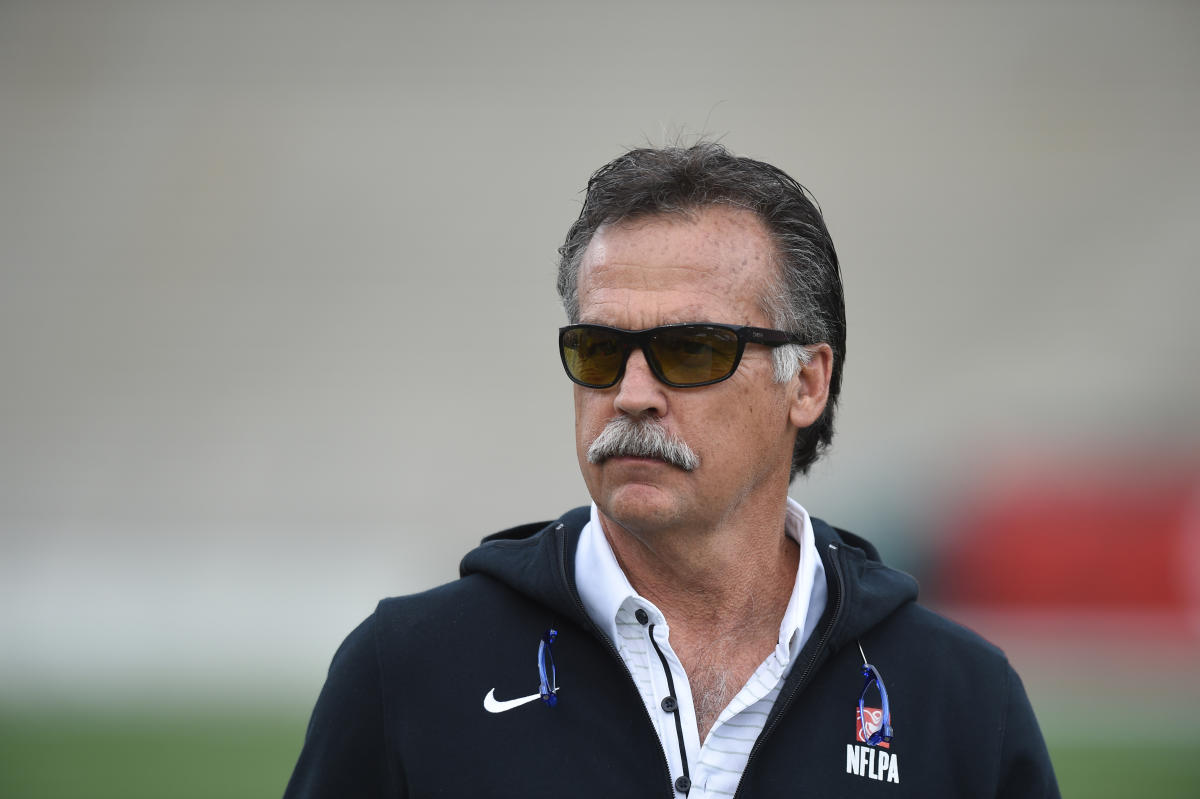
603	586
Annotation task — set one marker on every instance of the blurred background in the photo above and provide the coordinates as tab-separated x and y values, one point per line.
254	258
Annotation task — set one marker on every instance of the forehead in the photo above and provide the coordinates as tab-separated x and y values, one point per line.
713	264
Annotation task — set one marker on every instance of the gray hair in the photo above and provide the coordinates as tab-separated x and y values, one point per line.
642	437
805	296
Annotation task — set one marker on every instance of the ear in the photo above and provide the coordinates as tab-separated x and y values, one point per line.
809	389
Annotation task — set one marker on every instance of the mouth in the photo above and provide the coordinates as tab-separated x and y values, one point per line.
641	462
639	459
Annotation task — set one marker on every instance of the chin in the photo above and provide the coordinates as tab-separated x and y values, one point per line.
637	492
641	506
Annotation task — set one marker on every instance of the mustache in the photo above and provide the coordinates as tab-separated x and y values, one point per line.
641	437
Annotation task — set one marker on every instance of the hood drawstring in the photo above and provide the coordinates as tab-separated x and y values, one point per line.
882	736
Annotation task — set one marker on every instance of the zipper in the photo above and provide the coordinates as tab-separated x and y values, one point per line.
612	649
808	667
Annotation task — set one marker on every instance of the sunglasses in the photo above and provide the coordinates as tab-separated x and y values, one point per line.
682	356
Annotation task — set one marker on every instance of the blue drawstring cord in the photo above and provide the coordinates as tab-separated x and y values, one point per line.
548	678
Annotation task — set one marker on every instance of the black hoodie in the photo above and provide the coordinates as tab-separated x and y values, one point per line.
402	715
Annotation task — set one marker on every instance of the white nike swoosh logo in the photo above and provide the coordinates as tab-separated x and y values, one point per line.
493	705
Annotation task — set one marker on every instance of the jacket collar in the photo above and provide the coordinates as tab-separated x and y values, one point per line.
538	560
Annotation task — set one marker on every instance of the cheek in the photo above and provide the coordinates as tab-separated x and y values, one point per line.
751	423
590	417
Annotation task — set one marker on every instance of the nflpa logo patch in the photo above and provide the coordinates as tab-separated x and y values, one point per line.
869	725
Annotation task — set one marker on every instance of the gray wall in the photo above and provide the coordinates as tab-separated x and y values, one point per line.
253	258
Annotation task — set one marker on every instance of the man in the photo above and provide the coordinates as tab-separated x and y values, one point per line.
711	638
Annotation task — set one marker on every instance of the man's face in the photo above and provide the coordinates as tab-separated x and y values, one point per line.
710	267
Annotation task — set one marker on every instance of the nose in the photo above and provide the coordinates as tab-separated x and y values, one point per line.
639	391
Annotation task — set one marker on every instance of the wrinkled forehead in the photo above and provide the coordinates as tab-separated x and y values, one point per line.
715	264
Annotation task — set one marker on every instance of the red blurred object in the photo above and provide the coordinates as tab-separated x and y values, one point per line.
1070	537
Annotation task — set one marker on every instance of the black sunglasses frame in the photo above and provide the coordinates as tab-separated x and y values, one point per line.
642	339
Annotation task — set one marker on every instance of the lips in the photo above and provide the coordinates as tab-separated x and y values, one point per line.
639	459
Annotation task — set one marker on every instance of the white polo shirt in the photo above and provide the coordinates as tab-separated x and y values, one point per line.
716	764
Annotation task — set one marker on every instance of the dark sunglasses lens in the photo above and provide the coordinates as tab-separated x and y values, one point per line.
593	356
695	354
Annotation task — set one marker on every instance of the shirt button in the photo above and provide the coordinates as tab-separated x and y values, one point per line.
669	704
683	785
641	615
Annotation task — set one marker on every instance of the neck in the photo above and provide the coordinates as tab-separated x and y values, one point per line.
723	591
732	576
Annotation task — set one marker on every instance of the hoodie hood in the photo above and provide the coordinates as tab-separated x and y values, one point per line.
538	560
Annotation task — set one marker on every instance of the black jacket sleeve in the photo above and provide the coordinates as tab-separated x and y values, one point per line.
1025	769
345	748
